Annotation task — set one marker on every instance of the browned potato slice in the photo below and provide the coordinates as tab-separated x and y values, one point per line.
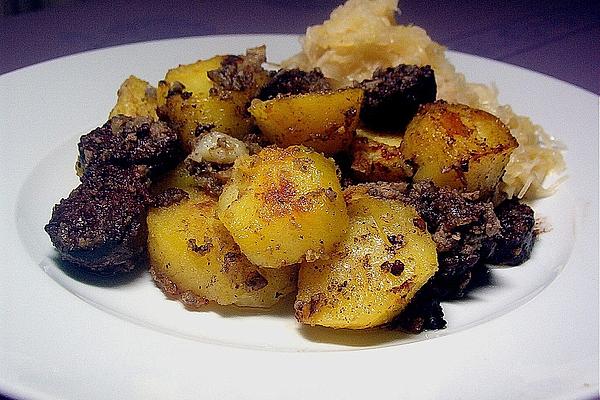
193	76
457	146
284	205
385	258
135	98
194	103
376	157
323	121
195	260
193	115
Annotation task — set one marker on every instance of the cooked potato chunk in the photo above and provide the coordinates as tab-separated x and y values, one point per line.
136	98
376	157
283	206
194	259
193	115
457	146
194	77
212	94
385	258
323	121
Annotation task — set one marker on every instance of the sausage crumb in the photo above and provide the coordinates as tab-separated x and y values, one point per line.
331	194
395	268
169	197
202	249
304	310
255	281
397	241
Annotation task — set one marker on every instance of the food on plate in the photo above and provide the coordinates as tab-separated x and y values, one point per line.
130	141
221	182
376	157
386	256
284	205
294	81
193	258
393	95
463	228
363	35
136	98
514	243
101	226
454	145
192	102
323	121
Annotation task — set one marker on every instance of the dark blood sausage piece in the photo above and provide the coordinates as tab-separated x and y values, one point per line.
101	226
393	95
515	241
423	313
240	73
126	141
169	197
463	229
467	233
294	81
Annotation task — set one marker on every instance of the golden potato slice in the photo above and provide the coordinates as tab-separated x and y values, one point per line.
192	115
195	260
376	157
194	77
457	146
284	205
135	98
205	95
323	121
385	258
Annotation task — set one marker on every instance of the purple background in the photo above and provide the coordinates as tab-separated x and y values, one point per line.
558	38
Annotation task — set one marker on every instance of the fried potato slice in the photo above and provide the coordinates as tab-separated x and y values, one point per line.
193	115
284	205
194	77
212	94
458	146
325	122
376	157
136	98
194	259
386	256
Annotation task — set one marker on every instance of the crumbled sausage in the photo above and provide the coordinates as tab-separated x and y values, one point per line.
514	243
255	281
169	197
395	268
393	95
202	248
294	81
127	141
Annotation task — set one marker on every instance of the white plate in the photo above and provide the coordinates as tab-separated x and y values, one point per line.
533	333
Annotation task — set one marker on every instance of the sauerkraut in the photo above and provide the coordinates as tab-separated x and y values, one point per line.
363	35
